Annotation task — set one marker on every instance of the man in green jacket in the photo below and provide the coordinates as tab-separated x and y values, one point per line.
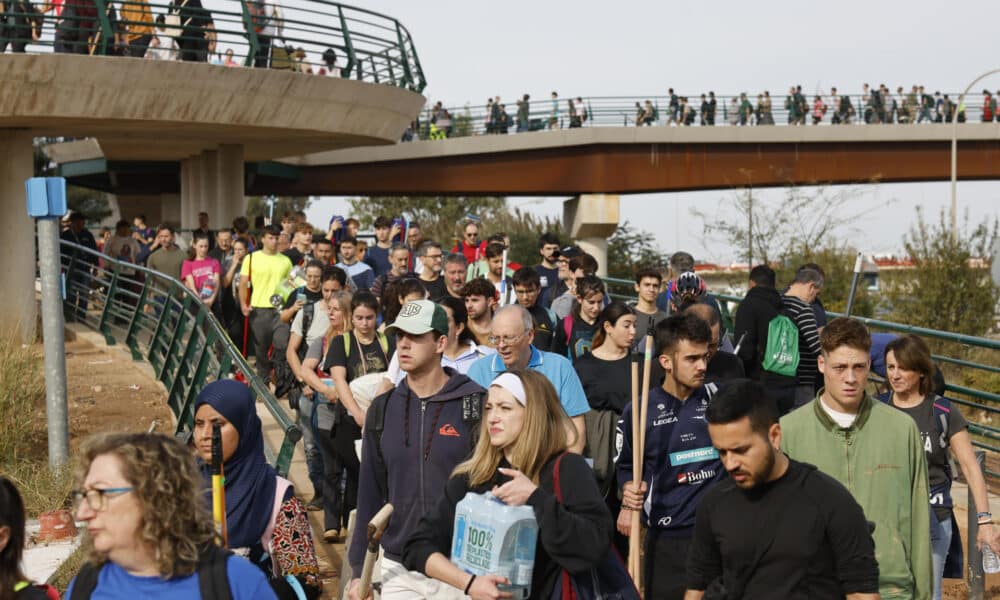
875	454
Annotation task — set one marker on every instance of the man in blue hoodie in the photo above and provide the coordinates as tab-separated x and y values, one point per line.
679	460
414	437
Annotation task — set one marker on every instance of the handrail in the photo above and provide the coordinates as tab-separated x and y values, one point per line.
618	111
297	36
163	322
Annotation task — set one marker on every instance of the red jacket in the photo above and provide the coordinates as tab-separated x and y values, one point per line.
472	253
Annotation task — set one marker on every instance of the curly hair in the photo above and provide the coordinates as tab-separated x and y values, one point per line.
176	523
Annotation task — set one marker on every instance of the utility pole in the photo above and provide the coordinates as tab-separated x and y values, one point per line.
750	227
46	200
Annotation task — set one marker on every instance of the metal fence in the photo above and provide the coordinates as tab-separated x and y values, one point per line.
310	36
167	325
628	111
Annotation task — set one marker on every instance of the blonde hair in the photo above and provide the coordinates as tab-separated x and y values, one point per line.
544	434
343	298
176	524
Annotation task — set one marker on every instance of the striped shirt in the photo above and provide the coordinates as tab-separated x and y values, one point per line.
804	318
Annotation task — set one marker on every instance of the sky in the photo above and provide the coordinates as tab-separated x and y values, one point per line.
472	50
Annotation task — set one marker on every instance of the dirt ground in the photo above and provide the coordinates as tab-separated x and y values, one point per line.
107	391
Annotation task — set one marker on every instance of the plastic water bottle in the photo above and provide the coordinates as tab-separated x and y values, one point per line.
991	564
493	538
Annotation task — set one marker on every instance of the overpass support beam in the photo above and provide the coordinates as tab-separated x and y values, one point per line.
591	219
18	233
213	182
231	201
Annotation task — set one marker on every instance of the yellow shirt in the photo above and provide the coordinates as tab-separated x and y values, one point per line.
265	272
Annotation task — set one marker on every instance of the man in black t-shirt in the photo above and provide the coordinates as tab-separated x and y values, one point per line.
527	289
809	540
548	270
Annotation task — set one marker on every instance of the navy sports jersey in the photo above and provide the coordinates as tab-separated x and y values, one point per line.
680	462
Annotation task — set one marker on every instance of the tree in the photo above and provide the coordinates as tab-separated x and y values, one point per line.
442	218
258	206
949	288
93	204
629	249
799	223
837	262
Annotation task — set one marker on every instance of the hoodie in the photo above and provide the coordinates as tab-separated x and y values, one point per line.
753	316
423	440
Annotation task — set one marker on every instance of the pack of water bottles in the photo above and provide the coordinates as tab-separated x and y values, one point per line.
492	538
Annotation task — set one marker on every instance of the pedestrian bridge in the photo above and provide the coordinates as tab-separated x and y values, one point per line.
627	160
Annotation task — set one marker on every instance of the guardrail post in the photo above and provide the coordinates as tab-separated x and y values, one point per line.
977	580
348	45
106	32
251	35
407	75
102	325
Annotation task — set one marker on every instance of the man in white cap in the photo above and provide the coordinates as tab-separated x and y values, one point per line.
414	437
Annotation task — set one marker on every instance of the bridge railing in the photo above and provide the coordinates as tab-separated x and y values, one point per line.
164	323
626	111
982	403
314	36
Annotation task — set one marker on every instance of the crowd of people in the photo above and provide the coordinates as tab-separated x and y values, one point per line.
460	371
185	31
874	105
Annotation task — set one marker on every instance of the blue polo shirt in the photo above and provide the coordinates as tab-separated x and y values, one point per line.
556	369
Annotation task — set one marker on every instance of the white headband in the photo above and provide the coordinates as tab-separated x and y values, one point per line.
511	383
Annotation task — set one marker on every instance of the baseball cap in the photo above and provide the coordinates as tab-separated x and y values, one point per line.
419	317
567	252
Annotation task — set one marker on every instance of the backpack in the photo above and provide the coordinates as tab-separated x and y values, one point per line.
472	407
382	341
213	579
781	355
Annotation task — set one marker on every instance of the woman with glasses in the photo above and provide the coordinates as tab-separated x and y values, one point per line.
149	531
265	521
523	441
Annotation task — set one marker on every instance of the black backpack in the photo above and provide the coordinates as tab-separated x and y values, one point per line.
472	414
213	580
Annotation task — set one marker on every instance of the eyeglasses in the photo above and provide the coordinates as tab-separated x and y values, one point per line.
506	340
97	498
434	256
471	235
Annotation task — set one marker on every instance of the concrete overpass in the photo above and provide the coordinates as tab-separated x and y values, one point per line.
205	120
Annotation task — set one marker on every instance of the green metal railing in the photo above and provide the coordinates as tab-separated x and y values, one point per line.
986	437
627	111
167	325
314	36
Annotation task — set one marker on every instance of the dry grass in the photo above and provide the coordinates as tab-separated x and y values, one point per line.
23	446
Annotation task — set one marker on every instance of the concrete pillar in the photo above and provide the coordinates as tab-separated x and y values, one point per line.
191	173
18	234
170	208
208	198
230	200
591	219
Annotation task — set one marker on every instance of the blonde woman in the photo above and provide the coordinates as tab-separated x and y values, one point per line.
339	314
524	431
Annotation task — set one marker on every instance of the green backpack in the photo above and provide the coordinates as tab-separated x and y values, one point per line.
781	356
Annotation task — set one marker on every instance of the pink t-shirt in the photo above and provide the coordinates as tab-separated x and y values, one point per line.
202	270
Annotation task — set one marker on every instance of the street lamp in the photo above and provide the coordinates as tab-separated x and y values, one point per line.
954	153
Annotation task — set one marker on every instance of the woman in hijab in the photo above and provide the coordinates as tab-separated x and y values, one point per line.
264	520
